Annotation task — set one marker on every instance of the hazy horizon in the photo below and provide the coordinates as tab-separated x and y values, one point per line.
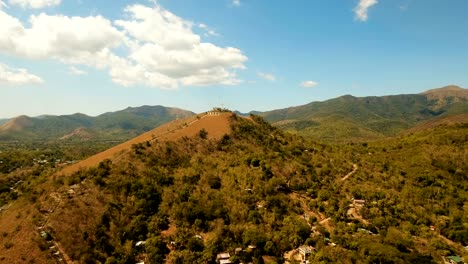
135	106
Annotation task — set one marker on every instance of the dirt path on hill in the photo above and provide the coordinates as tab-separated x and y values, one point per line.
355	167
66	258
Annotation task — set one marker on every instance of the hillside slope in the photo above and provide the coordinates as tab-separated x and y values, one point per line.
248	185
216	126
358	118
120	125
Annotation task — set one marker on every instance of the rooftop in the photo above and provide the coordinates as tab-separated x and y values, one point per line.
223	256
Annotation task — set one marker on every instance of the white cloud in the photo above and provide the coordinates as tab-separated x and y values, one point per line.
362	9
15	77
309	84
35	3
164	49
75	71
267	76
236	2
2	4
155	47
208	31
81	40
160	26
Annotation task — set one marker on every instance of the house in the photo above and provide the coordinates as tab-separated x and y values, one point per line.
454	260
359	202
305	252
213	113
223	258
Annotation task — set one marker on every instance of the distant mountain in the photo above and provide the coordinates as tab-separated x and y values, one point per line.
120	125
350	117
2	121
447	91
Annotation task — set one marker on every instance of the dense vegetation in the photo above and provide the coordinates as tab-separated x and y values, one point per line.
364	118
21	163
260	187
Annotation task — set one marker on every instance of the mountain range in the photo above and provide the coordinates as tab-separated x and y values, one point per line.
120	125
349	117
343	118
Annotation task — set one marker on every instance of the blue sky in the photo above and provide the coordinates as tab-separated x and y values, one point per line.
68	56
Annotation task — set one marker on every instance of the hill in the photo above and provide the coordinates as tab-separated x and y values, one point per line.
120	125
17	124
450	91
2	121
215	126
450	120
238	185
358	118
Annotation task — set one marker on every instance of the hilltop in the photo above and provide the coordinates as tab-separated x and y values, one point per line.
120	125
362	118
215	126
448	91
185	192
16	124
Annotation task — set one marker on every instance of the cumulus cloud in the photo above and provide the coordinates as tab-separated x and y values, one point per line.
35	3
75	71
362	9
16	77
81	40
267	76
151	47
163	48
309	84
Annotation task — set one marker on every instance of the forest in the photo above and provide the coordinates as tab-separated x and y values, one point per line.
259	193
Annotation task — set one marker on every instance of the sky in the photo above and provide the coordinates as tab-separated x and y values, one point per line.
67	56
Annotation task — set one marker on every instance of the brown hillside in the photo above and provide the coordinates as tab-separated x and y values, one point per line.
444	92
79	133
21	222
216	126
16	124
